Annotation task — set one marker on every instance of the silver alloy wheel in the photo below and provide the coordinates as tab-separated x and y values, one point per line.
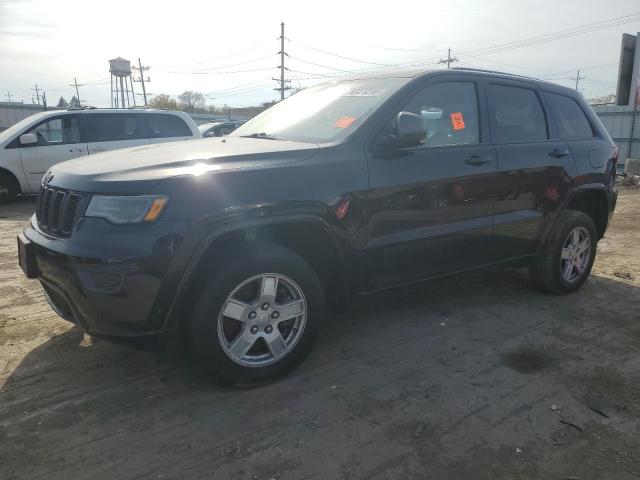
262	320
576	254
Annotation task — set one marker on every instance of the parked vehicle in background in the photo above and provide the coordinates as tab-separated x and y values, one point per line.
345	188
218	129
30	147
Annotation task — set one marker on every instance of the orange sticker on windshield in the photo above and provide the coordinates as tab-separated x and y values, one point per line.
344	122
457	121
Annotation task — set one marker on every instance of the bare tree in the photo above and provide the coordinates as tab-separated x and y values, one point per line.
163	101
191	101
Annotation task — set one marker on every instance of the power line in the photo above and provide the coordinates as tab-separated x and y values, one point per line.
338	56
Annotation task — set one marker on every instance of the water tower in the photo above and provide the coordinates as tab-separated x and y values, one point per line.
120	70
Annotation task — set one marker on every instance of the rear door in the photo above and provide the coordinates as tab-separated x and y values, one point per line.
430	207
166	127
535	167
111	131
59	139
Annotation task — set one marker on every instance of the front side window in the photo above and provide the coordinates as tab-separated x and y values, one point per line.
323	113
57	131
571	121
111	127
516	115
450	113
164	126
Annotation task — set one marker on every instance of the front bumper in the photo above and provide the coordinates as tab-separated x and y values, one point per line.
110	280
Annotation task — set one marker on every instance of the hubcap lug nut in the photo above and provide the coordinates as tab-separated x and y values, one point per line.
275	315
252	315
254	329
265	306
268	329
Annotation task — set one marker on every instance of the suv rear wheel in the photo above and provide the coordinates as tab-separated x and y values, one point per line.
257	317
566	262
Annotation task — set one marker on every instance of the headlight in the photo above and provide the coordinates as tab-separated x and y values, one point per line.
126	209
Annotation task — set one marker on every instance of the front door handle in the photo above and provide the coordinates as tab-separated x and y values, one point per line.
476	161
98	149
557	153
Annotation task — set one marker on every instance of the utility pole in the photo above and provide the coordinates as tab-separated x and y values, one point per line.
577	78
75	83
282	68
8	95
37	90
44	99
142	69
449	60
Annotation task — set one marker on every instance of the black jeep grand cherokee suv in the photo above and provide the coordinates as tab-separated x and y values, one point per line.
239	243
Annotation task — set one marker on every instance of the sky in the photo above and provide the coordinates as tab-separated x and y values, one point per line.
229	50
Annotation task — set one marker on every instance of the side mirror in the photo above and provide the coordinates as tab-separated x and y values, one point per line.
411	130
28	139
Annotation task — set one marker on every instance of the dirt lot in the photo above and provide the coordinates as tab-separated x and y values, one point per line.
473	377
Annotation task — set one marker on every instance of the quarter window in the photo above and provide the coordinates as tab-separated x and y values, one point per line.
162	126
517	115
112	127
57	131
570	118
450	113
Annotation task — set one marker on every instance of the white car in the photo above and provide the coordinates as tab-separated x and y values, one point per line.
30	147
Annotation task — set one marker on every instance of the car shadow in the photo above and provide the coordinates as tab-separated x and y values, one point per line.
73	389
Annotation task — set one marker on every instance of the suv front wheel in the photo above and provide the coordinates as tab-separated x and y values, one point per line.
566	262
256	319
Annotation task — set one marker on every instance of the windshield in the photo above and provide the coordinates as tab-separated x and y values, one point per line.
323	113
206	126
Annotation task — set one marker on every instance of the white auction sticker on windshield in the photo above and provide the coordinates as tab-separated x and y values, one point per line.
364	92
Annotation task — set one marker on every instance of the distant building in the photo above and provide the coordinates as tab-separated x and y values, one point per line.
13	112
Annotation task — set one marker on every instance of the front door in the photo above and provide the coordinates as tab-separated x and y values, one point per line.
430	207
58	140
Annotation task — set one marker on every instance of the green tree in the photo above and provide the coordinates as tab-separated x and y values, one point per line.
62	103
74	102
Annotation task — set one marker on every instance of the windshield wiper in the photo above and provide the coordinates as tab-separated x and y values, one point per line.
263	135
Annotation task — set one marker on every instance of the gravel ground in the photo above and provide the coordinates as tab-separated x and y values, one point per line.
472	377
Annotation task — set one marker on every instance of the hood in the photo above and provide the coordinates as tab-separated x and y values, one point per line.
137	169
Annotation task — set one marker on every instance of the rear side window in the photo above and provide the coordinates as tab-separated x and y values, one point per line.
162	126
570	118
110	127
516	115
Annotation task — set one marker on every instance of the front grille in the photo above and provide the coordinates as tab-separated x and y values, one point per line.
57	210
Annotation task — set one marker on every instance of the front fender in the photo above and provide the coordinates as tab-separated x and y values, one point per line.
260	218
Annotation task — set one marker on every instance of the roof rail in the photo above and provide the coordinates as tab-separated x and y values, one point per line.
494	71
82	108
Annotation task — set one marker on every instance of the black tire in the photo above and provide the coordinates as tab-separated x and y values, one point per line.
8	188
200	332
546	269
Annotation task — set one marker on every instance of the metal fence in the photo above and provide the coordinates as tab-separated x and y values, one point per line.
623	128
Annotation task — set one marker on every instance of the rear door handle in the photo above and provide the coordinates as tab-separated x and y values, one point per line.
557	153
476	161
